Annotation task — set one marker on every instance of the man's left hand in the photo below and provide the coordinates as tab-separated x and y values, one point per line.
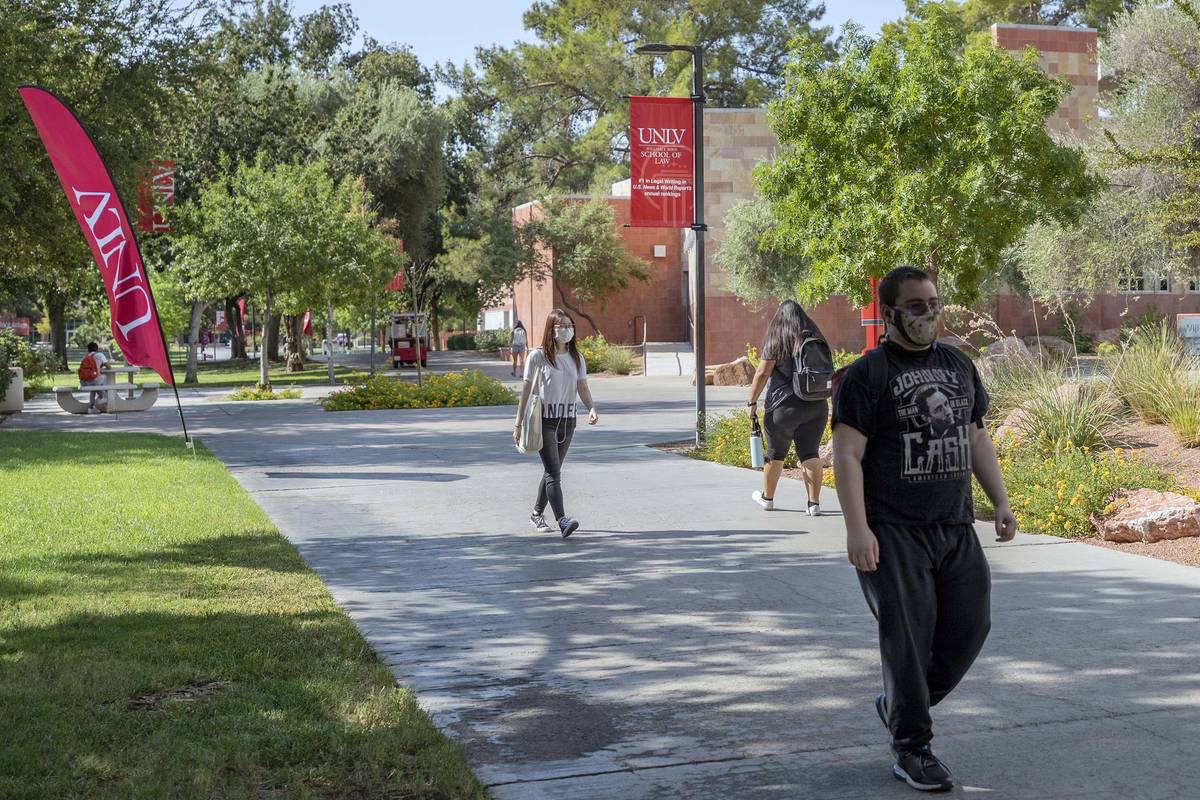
1006	524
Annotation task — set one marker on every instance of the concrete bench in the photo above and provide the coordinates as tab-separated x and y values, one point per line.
119	397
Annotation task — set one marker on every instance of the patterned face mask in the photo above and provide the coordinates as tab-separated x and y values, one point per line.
920	329
563	334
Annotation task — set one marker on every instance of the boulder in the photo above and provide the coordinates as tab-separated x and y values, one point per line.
736	373
1146	515
708	376
1107	336
959	342
1008	347
1012	426
1051	345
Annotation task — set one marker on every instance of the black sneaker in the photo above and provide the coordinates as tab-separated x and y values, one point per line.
567	526
923	771
881	709
539	523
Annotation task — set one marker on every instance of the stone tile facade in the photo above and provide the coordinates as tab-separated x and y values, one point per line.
1062	52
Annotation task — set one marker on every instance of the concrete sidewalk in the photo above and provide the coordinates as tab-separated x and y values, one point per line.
684	643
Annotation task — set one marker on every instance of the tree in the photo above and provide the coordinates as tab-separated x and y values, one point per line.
577	246
918	148
122	66
273	233
556	108
1146	148
979	15
757	270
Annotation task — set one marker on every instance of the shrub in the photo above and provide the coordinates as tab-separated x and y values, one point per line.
461	341
752	355
844	358
492	340
1106	349
37	363
618	360
1060	491
1152	374
243	393
727	441
1070	328
452	390
1010	382
593	350
1069	415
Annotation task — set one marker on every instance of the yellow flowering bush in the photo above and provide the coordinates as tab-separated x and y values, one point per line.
1059	491
452	390
594	349
264	393
727	441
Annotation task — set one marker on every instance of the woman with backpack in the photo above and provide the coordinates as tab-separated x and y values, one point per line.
793	341
517	343
559	373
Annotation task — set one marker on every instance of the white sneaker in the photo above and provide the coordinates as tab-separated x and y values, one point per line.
814	509
767	505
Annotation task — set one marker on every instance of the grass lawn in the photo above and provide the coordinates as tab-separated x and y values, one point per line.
240	373
160	639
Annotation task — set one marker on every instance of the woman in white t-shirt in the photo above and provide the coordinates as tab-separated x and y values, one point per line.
561	375
518	343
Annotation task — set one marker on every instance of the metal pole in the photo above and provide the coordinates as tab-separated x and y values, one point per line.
374	333
699	228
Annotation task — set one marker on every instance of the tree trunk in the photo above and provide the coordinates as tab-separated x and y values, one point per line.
272	343
271	335
56	305
198	309
295	344
562	296
329	336
234	324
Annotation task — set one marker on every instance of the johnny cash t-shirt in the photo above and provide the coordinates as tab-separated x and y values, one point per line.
917	463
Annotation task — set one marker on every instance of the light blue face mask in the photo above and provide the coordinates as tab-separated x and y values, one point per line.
562	335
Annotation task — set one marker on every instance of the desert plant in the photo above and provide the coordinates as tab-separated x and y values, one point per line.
1152	372
1081	414
593	350
618	360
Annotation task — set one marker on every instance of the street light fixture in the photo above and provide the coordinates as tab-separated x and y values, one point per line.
698	227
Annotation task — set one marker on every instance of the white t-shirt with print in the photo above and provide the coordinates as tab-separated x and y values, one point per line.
558	385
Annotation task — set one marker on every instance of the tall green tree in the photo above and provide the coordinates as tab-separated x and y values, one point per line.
979	15
122	65
921	147
556	108
1148	151
758	270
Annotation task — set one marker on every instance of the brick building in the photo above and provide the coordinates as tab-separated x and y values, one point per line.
735	140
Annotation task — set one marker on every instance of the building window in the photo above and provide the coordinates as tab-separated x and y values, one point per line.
1146	282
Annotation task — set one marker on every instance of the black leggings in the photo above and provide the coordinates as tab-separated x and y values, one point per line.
556	438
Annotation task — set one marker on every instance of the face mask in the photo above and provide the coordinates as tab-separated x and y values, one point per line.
918	329
564	335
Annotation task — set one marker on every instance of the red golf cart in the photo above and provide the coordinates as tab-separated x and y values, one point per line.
409	338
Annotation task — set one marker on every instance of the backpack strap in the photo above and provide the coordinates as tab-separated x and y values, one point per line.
877	373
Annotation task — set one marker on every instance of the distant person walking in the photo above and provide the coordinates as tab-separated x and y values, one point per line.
908	434
518	342
561	376
787	418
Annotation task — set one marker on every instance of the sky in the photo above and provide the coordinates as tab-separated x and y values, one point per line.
449	30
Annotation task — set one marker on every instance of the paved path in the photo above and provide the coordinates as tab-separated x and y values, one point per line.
685	644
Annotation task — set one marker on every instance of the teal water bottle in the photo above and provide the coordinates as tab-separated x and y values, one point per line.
756	447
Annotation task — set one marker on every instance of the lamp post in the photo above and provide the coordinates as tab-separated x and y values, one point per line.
698	226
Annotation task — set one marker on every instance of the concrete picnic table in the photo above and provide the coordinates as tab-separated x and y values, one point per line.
121	396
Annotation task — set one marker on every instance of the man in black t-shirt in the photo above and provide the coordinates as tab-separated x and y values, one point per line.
908	434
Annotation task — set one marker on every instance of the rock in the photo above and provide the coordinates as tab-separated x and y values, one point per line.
825	452
1052	345
1107	336
959	342
1146	515
1012	426
735	373
1008	347
708	376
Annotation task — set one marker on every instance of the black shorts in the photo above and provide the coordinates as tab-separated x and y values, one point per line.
795	420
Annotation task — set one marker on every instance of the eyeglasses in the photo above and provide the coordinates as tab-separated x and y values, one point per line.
919	308
564	327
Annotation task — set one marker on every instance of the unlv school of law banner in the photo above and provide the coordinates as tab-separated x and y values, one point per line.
106	229
661	165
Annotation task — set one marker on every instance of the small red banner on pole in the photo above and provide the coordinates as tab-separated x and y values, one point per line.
661	163
157	189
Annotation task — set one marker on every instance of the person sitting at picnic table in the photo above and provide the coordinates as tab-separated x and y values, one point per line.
90	374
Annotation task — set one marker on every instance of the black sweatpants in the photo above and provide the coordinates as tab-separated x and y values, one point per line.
556	438
932	597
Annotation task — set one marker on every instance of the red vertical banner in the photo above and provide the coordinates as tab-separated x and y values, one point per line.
871	317
661	163
105	225
156	190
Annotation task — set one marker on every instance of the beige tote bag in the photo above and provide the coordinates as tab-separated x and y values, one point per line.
529	440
